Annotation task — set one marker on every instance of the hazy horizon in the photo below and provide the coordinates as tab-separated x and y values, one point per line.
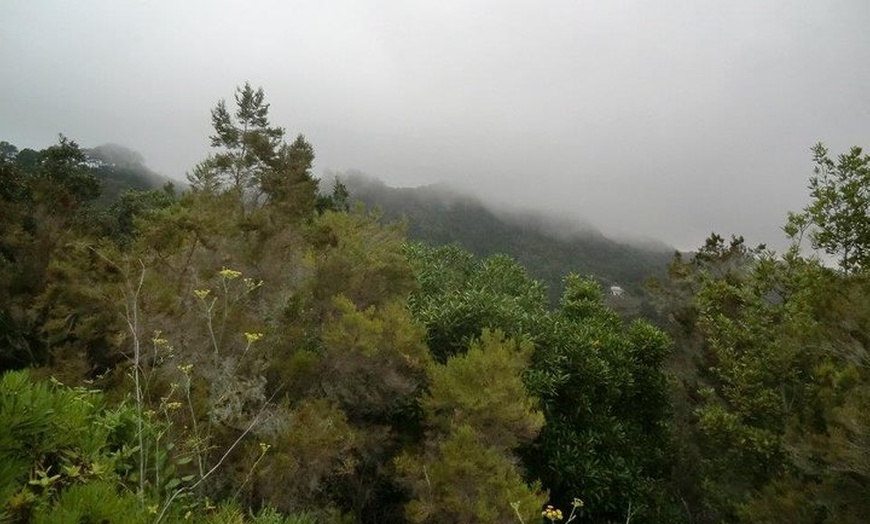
666	121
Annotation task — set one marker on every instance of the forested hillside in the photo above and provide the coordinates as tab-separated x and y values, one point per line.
252	350
120	169
548	248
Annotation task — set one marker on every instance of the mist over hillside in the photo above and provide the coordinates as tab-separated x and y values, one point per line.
120	168
549	246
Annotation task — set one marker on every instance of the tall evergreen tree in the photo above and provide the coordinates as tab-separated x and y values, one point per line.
254	161
247	144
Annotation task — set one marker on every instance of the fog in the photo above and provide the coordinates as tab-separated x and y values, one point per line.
665	119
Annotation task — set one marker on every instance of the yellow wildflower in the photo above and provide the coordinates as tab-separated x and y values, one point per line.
201	293
552	514
253	337
158	341
230	274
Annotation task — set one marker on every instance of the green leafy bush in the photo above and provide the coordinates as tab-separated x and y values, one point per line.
55	438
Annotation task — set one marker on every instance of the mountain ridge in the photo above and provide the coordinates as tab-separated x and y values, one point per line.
548	246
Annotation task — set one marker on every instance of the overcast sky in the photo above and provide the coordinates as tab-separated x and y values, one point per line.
665	119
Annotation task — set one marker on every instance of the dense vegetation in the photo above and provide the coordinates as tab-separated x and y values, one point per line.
254	351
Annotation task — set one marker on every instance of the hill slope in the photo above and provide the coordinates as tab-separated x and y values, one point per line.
120	169
549	248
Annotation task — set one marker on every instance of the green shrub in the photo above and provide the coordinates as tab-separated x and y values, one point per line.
54	441
95	502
